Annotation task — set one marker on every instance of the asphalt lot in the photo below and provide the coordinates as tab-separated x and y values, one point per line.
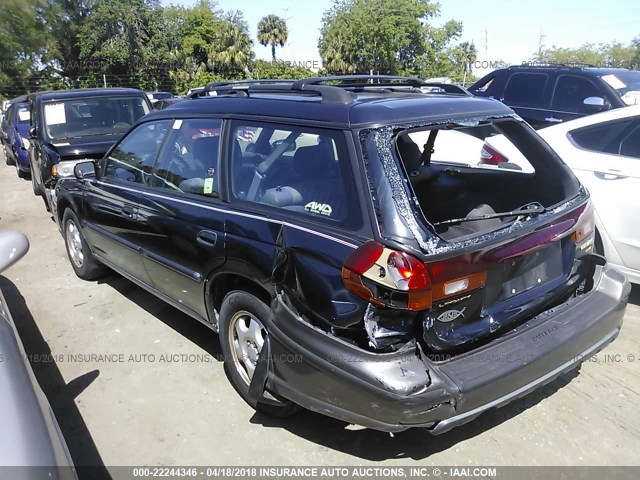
129	407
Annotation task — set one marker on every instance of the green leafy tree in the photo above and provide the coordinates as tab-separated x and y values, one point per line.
272	30
278	69
603	55
231	52
384	37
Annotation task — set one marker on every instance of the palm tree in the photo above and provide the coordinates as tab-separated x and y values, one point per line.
231	51
272	30
469	55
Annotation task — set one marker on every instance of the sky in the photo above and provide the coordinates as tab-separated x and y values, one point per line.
501	29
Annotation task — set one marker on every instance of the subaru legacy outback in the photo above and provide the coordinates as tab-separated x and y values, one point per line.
355	255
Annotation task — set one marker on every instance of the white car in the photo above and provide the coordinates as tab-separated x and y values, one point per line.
603	150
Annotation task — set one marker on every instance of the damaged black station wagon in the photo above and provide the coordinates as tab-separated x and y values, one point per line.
388	252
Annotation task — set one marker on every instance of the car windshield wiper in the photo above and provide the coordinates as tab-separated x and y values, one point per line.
529	209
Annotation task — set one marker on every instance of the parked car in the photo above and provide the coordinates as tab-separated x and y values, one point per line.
162	104
30	435
345	270
155	96
15	135
603	151
71	125
544	95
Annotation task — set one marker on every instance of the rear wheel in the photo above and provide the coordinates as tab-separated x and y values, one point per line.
23	174
7	157
82	260
242	336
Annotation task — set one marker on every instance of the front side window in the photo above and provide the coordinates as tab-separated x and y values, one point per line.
189	161
133	158
571	92
525	89
301	170
23	116
92	116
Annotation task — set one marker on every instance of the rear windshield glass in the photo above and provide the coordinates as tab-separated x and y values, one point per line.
91	116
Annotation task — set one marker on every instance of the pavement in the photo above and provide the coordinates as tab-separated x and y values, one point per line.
133	381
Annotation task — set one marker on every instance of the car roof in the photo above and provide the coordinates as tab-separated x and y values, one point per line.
85	92
20	99
367	109
591	69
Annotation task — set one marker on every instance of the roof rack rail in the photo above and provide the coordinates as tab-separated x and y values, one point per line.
534	64
221	88
380	81
342	91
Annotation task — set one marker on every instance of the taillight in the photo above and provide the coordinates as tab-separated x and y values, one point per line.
396	279
490	156
583	235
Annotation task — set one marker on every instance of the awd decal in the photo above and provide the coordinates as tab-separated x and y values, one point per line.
320	208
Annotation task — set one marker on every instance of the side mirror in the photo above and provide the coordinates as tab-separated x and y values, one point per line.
33	133
13	246
84	170
595	103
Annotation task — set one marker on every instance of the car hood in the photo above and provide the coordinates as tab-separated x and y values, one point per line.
72	149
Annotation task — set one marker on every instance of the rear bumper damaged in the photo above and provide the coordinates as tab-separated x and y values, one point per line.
396	391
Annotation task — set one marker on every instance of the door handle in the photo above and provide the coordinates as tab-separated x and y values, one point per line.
128	211
608	176
553	120
207	238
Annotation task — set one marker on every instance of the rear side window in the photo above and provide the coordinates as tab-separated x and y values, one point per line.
619	137
189	161
301	170
526	89
571	91
132	160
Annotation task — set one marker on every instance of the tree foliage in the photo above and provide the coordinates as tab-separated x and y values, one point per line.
359	36
601	55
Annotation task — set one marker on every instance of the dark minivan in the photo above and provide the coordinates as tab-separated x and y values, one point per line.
548	94
71	125
355	257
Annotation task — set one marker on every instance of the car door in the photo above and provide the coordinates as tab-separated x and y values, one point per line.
528	94
607	162
570	92
180	217
110	223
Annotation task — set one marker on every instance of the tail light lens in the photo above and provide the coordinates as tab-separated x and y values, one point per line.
585	224
490	156
396	279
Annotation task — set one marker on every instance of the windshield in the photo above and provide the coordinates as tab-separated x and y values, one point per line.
92	116
626	84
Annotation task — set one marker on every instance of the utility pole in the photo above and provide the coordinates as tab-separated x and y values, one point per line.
104	80
540	45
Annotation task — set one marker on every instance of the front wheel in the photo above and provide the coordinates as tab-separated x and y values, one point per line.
82	259
242	336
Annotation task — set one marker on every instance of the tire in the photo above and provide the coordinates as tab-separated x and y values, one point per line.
7	158
23	175
239	307
83	262
38	190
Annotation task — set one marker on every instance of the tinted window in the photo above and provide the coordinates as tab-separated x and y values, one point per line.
300	170
132	160
189	161
571	92
483	88
619	137
525	89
